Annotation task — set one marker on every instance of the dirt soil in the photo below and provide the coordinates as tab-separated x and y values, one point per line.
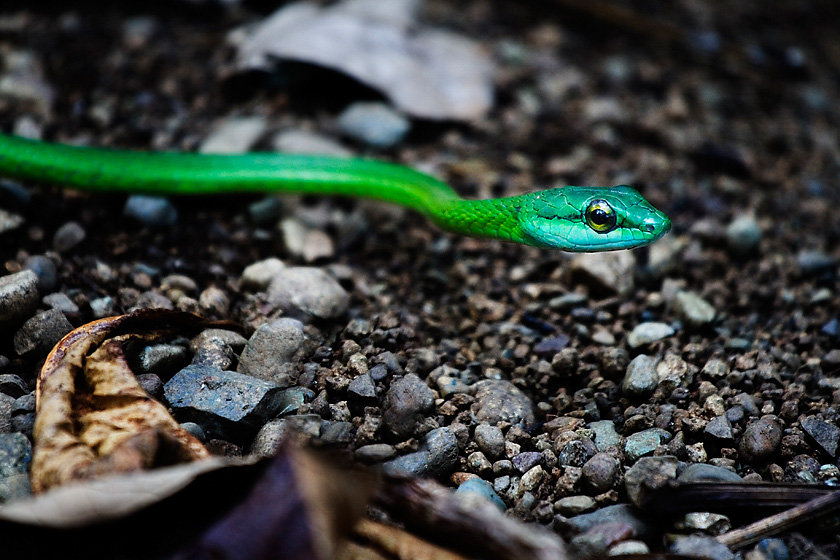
725	117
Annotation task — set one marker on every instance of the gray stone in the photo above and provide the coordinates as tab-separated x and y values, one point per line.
6	407
436	457
271	436
718	433
575	452
163	359
600	473
629	548
375	453
10	221
46	271
815	262
605	434
271	346
307	292
40	333
103	307
15	456
307	142
490	440
375	124
574	505
258	276
497	400
760	441
825	435
406	403
609	272
68	236
697	472
150	211
482	488
743	234
645	333
18	298
641	378
644	526
13	385
335	433
225	404
60	301
290	400
649	473
195	430
213	352
696	546
234	135
151	383
693	309
362	390
448	386
527	460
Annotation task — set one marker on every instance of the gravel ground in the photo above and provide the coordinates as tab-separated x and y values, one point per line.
545	374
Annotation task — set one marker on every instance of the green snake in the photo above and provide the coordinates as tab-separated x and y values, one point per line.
579	219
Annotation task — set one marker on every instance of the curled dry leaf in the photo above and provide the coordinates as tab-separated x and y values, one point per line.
92	417
425	72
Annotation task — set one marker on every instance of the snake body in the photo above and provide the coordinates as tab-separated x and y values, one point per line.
580	219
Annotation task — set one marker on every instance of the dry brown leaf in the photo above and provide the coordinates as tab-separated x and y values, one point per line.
92	417
425	72
385	541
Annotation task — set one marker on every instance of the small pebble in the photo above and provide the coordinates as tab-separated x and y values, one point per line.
436	457
271	347
103	307
699	472
743	234
234	136
641	443
152	384
61	302
825	435
68	236
273	434
375	453
258	276
604	434
600	473
482	488
497	400
15	456
641	378
308	292
406	403
10	221
628	548
760	441
693	309
18	298
649	472
362	391
375	124
490	440
696	546
39	334
306	142
13	385
611	272
574	505
645	333
45	269
226	404
527	460
150	211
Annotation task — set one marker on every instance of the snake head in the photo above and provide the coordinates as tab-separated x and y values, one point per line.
590	219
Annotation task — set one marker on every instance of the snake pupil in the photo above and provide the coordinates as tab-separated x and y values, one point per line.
600	216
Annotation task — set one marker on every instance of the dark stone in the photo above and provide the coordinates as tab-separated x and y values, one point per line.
526	460
362	390
13	385
406	403
225	404
551	345
718	433
498	400
436	457
825	435
760	441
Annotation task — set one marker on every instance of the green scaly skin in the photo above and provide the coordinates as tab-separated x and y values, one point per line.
554	218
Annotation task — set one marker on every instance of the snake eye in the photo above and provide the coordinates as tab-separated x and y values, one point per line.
600	216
